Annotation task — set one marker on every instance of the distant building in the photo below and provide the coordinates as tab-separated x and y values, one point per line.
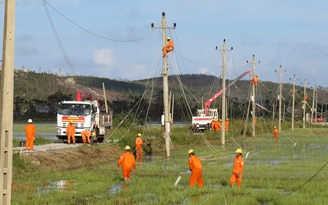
44	109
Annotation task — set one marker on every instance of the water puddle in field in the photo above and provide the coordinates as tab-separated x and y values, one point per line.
66	186
115	188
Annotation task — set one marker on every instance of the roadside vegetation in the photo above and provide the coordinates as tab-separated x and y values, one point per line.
291	170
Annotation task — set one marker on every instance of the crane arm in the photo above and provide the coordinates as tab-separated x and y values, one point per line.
208	103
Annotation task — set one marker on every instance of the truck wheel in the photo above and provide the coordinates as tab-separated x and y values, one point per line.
100	139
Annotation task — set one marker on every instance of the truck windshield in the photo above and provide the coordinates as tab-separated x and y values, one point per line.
74	109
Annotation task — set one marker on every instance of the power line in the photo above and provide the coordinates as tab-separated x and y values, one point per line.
58	39
86	30
302	184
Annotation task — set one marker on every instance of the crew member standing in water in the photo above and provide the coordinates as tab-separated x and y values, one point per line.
195	166
238	168
139	144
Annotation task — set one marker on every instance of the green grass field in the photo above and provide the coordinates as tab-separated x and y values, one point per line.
291	170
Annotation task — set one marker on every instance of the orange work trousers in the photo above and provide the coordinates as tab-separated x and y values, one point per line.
196	177
234	179
139	154
69	136
85	139
126	173
29	144
166	50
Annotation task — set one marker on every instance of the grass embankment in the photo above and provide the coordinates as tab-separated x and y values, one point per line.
276	172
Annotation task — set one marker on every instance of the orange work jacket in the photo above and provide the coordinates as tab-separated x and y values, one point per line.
30	130
169	44
213	124
238	165
255	80
195	165
86	133
139	142
70	129
227	125
127	161
275	133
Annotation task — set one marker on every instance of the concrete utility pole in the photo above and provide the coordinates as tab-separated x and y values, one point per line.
6	103
253	96
293	105
280	97
304	103
105	99
223	113
314	107
167	124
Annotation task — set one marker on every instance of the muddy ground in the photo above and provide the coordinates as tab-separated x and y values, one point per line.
83	156
58	160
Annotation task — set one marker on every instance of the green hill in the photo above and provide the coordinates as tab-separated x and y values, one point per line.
190	91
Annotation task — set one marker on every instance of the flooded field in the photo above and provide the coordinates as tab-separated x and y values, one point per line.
290	170
19	133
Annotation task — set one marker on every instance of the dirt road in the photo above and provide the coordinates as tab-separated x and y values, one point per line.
48	147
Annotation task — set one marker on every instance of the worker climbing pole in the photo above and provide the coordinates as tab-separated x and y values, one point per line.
163	27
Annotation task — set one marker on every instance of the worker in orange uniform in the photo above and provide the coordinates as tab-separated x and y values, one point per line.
215	124
70	132
220	125
275	132
255	121
85	134
139	144
238	167
128	162
30	133
227	125
255	80
168	47
305	97
195	166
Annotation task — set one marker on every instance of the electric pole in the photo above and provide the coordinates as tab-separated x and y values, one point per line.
304	102
223	113
280	97
163	26
293	105
253	95
6	103
314	104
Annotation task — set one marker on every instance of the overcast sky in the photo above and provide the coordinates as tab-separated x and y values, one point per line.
114	39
